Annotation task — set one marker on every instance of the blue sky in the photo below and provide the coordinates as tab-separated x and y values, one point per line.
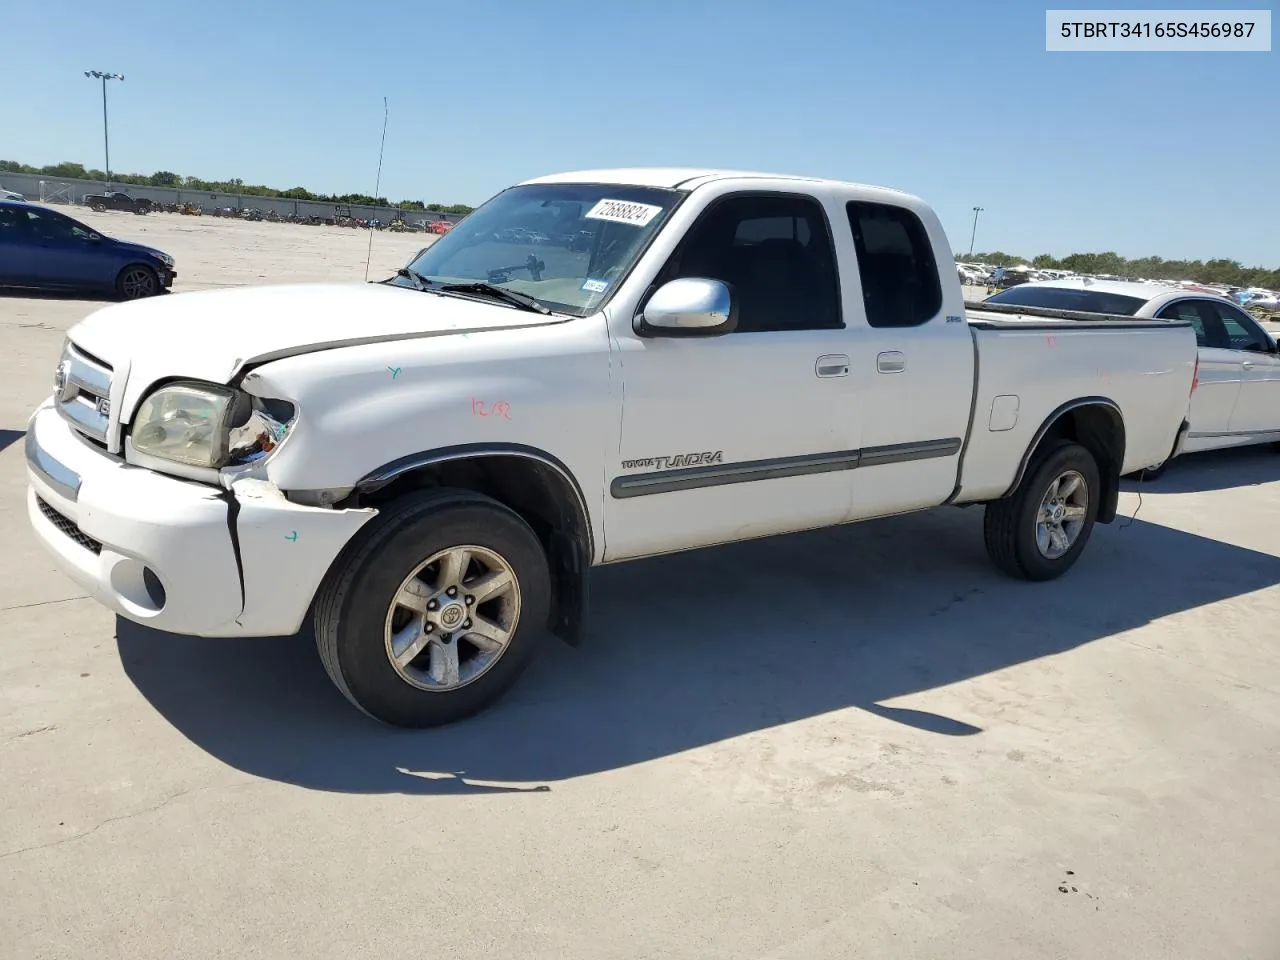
1174	154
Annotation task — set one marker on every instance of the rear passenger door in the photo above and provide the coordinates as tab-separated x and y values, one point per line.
1220	368
913	362
1257	409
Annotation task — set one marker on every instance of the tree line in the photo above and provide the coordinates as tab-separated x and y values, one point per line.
166	178
1225	272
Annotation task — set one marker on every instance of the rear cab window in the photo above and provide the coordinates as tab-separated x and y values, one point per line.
900	283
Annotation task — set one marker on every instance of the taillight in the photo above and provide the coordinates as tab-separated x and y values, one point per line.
1195	375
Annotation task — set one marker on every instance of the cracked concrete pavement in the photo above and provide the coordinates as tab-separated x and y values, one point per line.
931	760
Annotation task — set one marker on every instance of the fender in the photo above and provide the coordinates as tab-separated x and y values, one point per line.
378	478
1110	485
571	550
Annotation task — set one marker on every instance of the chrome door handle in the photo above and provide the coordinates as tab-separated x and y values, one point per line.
1248	364
891	361
832	365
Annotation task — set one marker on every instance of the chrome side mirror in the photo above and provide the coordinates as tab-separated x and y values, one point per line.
689	307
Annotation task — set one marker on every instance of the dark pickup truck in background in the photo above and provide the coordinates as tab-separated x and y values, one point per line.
117	201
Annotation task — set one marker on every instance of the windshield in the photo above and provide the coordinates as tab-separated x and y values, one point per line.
566	245
1069	298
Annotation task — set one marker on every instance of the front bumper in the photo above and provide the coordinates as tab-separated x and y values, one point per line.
160	550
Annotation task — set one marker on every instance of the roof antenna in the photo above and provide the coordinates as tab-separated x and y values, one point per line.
377	185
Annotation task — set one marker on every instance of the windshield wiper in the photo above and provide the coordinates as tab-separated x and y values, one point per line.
523	301
419	281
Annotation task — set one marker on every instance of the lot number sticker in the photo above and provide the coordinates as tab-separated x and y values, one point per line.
621	211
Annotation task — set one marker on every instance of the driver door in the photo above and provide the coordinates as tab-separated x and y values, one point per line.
63	252
17	246
748	433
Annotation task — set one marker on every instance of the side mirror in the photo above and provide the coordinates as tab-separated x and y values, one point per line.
689	307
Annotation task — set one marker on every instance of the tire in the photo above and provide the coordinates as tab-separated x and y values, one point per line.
136	282
1010	526
357	614
98	207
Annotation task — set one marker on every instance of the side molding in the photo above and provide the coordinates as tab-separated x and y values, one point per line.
692	478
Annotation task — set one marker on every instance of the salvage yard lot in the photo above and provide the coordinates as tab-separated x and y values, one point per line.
857	742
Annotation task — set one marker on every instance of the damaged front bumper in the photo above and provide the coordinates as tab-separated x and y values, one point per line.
173	554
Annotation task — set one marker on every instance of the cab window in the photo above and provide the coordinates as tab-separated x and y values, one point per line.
775	252
900	285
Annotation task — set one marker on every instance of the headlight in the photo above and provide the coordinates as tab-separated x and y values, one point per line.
186	423
166	259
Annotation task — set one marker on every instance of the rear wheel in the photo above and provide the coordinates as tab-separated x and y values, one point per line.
437	609
1040	531
97	207
137	281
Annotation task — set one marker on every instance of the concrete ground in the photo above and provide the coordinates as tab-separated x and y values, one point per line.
933	762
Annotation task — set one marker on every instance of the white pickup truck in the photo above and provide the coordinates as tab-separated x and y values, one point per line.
590	368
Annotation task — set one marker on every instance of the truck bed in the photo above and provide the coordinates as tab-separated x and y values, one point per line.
1029	360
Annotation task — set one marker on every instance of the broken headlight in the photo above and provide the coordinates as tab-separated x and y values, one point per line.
263	430
208	426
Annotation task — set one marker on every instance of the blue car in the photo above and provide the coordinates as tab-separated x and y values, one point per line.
43	248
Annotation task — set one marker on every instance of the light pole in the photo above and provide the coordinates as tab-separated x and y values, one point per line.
106	144
976	211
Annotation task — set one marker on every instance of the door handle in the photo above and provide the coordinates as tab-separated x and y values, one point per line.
832	365
1248	364
891	361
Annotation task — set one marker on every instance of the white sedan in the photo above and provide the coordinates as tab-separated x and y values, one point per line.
1238	399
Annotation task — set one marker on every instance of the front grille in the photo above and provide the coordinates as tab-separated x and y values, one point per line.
83	398
68	526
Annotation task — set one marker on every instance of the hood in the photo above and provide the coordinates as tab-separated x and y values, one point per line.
214	335
128	246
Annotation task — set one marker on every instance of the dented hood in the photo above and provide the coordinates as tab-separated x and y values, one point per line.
214	335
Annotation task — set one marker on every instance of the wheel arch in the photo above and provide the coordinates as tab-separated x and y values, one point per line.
1097	424
533	483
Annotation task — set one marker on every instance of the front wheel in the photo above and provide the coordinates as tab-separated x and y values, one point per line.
436	610
1040	531
137	281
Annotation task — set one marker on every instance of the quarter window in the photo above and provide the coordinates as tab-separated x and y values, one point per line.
900	285
775	252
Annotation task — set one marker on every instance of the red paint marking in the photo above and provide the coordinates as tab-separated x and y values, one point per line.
1050	339
500	408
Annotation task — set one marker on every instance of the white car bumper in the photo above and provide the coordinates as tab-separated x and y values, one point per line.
160	550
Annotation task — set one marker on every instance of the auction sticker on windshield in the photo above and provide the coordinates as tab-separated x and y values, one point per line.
622	211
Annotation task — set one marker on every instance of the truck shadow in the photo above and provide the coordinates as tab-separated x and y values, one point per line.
1214	470
692	649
